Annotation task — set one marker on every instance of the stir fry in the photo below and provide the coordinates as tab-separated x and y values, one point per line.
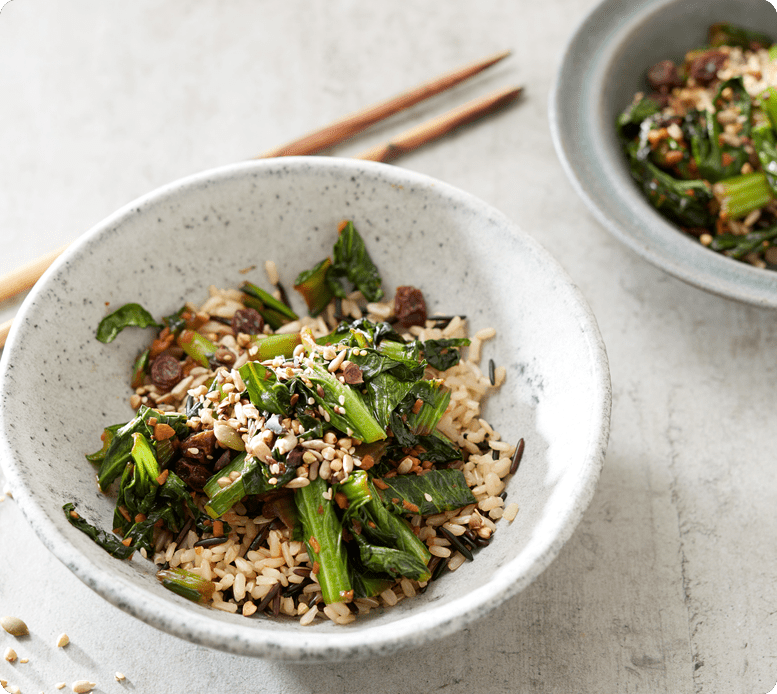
702	144
285	464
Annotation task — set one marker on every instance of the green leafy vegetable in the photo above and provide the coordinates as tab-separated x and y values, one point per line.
351	260
274	312
737	247
393	562
109	542
124	317
265	391
119	451
140	368
255	477
352	413
187	584
740	195
377	523
685	202
322	533
726	34
315	289
441	354
434	492
197	346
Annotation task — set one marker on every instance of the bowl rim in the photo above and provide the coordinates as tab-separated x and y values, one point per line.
573	107
413	631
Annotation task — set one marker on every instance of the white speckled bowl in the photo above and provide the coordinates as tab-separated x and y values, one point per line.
59	386
603	66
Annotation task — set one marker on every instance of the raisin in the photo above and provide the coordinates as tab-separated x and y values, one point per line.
704	69
166	371
203	443
409	306
248	321
192	473
664	76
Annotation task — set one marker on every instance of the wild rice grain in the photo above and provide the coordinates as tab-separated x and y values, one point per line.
516	461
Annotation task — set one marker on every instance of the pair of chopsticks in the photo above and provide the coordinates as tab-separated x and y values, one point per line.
335	133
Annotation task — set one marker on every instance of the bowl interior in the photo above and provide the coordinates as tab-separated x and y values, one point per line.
59	386
604	65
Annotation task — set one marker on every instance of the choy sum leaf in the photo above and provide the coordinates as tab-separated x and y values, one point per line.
109	542
434	492
351	260
127	315
442	354
388	560
187	584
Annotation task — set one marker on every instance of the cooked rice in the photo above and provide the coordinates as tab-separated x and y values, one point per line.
245	577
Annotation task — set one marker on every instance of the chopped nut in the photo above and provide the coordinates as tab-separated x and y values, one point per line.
10	655
83	686
63	640
119	676
14	626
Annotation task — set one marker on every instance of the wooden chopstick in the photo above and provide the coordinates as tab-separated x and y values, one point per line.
5	328
22	279
25	277
350	125
442	125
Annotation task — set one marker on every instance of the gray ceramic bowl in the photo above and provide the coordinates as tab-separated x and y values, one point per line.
603	66
59	386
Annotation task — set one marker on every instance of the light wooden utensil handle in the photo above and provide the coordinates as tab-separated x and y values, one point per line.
22	279
350	125
442	125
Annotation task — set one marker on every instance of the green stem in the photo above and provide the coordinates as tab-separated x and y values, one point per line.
212	487
740	195
352	412
323	536
268	300
389	529
197	346
314	288
278	345
187	584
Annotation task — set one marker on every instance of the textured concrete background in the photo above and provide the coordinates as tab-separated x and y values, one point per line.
668	583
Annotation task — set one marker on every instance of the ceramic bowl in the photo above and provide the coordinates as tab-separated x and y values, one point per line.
59	386
603	66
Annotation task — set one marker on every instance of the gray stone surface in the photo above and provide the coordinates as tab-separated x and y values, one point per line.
666	586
